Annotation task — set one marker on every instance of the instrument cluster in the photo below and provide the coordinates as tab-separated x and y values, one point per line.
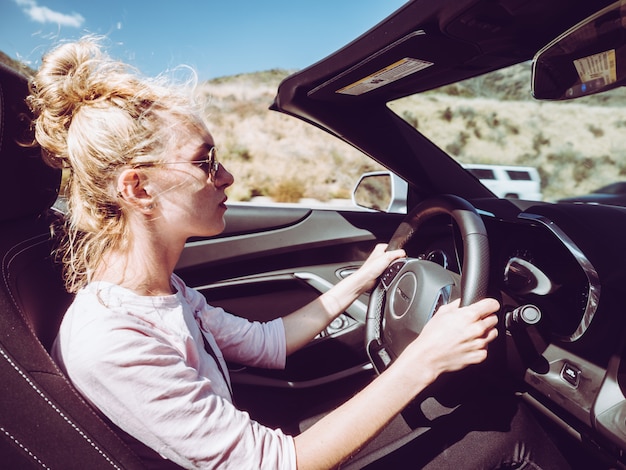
541	267
535	266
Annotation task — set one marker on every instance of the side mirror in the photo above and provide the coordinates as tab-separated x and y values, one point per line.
381	191
588	58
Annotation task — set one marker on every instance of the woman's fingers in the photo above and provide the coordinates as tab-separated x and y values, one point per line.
459	336
376	263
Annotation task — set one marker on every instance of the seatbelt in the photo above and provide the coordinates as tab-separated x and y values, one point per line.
211	351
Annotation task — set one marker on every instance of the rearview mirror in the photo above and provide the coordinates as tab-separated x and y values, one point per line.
588	58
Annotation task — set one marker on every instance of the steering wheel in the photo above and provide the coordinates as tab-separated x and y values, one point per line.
411	290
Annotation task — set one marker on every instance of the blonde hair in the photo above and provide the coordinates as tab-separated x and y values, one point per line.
93	115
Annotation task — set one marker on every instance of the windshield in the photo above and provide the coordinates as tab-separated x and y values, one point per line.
575	146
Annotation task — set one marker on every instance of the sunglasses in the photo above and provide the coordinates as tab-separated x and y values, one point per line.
210	165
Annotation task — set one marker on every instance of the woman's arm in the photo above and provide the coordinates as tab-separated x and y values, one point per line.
307	322
453	339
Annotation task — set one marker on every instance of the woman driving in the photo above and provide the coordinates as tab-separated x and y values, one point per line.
148	351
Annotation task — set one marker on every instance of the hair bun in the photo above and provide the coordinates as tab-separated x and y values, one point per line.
69	78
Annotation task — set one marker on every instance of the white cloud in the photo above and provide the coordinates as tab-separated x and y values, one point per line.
43	14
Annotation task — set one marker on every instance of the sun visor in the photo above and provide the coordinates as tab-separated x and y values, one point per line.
416	57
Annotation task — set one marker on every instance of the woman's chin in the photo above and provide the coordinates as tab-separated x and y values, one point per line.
215	229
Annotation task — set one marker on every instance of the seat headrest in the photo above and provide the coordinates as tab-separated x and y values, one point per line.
27	185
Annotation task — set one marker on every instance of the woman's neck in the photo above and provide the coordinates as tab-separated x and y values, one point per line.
145	269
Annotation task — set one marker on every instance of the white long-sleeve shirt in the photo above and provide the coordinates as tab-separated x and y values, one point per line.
141	360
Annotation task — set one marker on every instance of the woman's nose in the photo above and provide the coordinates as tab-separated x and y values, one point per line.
223	178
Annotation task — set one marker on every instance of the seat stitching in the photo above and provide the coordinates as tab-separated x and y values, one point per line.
23	447
55	408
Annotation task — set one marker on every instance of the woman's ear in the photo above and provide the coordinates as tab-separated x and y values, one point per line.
132	187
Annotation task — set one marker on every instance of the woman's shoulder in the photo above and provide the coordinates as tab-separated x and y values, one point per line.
105	314
104	303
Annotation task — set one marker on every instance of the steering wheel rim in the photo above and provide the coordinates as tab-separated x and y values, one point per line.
474	278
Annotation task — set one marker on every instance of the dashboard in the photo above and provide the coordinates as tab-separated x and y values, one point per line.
558	271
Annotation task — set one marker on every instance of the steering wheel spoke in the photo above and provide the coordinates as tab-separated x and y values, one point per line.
412	299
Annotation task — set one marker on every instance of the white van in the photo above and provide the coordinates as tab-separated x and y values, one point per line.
519	182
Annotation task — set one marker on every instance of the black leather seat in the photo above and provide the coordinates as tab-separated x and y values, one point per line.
44	422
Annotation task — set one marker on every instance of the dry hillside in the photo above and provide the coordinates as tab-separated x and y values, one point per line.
577	146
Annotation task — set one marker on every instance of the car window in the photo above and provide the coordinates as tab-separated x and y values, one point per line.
517	175
575	146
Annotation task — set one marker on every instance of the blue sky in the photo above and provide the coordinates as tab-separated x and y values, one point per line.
216	37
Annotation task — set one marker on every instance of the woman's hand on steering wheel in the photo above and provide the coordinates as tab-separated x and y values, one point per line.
378	260
455	337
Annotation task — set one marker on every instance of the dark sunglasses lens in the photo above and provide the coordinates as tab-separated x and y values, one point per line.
205	166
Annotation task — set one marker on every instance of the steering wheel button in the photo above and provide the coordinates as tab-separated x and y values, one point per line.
384	356
570	374
391	272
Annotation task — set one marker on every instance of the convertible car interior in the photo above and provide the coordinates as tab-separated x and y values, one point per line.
557	269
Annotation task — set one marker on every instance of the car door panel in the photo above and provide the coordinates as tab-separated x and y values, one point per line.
269	240
262	298
250	218
262	238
